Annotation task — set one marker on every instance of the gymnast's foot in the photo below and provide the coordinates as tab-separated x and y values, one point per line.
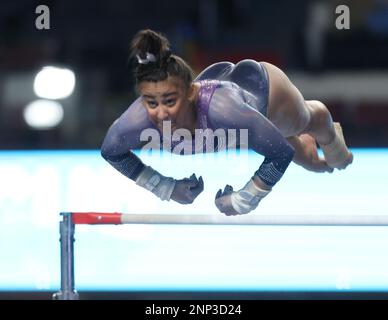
336	153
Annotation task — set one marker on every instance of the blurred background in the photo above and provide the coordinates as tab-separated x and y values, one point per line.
61	88
347	69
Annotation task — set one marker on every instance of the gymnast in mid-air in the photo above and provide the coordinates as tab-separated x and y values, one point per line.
257	96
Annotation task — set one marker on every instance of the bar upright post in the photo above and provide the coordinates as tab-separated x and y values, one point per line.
66	228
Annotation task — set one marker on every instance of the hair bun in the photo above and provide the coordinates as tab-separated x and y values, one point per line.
155	61
149	46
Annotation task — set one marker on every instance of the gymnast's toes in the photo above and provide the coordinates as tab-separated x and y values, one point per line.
346	162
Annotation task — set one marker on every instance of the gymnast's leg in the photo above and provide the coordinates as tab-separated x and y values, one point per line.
298	119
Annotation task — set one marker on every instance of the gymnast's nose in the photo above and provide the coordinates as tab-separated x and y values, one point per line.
162	114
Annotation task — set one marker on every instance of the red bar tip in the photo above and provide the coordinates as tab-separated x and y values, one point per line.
96	218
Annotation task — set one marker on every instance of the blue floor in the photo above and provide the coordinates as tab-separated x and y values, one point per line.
36	186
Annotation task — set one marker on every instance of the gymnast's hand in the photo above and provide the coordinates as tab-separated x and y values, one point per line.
242	201
187	189
223	201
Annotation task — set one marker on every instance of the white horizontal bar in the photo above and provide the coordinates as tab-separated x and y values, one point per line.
285	220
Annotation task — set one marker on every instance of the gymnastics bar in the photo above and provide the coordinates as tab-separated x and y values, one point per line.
220	219
70	219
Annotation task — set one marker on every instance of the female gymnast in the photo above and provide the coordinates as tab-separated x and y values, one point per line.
257	96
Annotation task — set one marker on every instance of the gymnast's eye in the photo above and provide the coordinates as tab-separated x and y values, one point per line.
152	104
170	102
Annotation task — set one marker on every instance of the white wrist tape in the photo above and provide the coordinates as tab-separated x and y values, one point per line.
248	198
158	184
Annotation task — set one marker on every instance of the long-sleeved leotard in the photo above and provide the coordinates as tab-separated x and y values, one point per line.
221	104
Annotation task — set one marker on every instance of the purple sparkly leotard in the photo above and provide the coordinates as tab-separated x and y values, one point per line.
230	97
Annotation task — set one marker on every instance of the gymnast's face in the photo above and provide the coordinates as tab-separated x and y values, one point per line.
169	100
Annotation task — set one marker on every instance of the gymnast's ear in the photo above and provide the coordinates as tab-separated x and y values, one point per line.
191	92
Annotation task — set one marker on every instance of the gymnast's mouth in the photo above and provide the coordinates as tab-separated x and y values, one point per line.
168	124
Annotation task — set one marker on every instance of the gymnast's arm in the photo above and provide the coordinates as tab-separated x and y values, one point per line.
124	135
229	110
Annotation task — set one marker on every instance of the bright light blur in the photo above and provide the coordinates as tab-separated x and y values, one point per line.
54	83
43	114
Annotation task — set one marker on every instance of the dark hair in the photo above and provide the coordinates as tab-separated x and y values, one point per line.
165	64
